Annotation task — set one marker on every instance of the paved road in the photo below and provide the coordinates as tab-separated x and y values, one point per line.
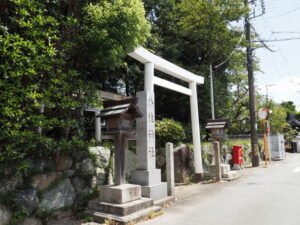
262	196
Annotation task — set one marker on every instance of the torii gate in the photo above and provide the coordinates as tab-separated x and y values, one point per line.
146	174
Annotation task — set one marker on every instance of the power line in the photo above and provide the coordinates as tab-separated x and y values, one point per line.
283	14
230	55
285	61
277	40
260	39
285	32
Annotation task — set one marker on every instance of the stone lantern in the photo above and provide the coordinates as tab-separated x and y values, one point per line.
217	128
119	116
121	202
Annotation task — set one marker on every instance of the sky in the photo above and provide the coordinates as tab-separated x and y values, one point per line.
281	68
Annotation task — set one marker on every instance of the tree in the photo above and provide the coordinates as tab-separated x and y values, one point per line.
289	106
194	34
278	120
237	107
50	52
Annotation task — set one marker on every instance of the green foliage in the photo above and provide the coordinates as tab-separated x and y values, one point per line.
19	213
167	130
49	53
81	203
208	22
41	97
194	34
289	106
278	119
18	216
9	200
110	30
44	214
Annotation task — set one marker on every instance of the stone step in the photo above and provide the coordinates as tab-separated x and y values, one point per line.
100	217
120	209
165	201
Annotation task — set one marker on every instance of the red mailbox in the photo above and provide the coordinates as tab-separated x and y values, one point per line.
237	157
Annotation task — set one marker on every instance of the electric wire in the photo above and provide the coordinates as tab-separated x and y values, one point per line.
230	55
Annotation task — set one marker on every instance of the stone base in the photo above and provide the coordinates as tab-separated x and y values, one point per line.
225	168
100	217
237	167
230	175
120	209
122	204
146	177
155	192
120	194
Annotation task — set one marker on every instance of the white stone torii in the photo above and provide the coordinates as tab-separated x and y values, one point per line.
151	62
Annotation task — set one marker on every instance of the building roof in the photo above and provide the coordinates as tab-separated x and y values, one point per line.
294	123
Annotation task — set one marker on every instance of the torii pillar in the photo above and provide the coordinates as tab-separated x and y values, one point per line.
146	173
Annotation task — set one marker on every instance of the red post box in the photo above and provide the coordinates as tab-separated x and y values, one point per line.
237	156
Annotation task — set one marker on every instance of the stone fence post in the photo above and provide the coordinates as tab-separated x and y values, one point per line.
170	168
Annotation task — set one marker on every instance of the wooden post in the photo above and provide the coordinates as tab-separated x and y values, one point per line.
217	160
120	159
266	149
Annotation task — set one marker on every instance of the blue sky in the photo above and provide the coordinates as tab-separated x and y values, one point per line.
281	67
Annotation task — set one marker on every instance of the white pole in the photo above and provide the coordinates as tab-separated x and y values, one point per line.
196	129
212	102
149	76
97	125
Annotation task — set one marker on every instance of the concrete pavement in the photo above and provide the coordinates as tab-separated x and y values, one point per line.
262	196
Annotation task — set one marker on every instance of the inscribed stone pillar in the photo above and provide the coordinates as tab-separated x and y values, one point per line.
146	132
146	173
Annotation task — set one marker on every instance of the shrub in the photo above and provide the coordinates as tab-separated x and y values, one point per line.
167	130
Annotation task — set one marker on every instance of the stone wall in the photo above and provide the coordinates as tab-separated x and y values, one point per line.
51	191
183	160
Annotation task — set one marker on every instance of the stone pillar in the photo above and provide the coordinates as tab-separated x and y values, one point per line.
196	131
146	173
149	75
170	168
97	126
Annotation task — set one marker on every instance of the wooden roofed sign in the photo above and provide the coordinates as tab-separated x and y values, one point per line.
119	116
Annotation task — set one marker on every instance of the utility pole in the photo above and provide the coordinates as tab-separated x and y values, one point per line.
252	106
212	102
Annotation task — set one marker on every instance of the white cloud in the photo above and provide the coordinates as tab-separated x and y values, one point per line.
285	89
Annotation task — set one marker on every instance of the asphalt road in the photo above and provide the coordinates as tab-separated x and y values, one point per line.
262	196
